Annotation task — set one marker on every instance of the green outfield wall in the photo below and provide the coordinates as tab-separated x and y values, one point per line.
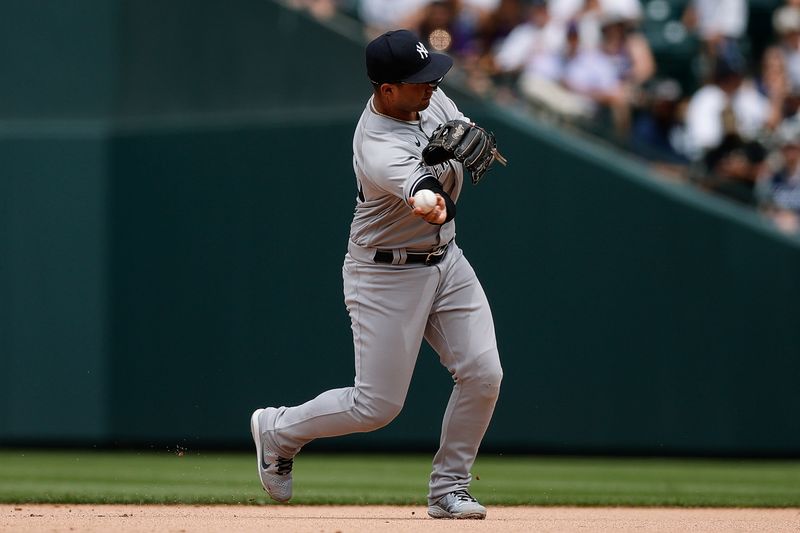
175	196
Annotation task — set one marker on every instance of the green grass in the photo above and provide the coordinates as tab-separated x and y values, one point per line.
227	478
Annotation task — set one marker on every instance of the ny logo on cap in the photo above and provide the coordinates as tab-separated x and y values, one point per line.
423	52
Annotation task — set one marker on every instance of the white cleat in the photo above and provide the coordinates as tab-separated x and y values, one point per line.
457	504
274	471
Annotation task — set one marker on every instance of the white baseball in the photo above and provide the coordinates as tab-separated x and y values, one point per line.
425	199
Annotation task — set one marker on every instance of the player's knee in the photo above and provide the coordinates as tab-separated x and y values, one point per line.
489	383
375	413
485	375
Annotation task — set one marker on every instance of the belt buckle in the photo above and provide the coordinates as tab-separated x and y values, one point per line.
435	254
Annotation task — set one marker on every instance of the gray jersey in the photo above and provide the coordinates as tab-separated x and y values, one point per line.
387	160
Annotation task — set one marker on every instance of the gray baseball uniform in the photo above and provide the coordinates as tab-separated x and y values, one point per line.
393	304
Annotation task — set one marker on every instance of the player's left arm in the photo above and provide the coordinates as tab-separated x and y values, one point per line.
461	139
465	142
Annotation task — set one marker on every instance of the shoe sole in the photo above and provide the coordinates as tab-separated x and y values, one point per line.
255	431
438	512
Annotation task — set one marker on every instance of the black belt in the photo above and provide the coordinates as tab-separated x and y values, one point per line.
428	258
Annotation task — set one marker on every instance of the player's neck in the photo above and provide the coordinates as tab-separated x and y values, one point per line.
380	107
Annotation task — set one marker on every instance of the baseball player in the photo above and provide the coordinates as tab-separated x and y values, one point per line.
405	279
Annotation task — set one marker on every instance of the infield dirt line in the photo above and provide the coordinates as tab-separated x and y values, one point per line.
25	518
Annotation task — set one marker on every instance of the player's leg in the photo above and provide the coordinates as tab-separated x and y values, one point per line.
388	308
461	330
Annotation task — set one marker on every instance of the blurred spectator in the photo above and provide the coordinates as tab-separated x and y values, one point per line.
565	10
774	84
471	13
588	15
733	168
782	182
496	26
532	45
611	74
478	8
728	105
483	5
491	31
780	66
379	16
720	25
593	74
628	48
441	28
546	85
717	21
532	58
786	21
657	132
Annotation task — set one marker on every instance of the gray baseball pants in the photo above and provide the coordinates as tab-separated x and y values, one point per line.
391	308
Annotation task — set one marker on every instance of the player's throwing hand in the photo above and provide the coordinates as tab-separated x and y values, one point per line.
437	215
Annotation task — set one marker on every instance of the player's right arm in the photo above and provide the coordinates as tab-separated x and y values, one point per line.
438	215
445	209
399	171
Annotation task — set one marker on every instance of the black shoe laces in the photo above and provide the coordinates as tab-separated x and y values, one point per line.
283	466
464	496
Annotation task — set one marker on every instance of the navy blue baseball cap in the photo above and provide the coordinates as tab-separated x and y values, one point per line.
399	56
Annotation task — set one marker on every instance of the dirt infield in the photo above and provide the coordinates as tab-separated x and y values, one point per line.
322	519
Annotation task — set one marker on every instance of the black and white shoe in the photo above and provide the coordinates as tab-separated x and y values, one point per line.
274	471
457	504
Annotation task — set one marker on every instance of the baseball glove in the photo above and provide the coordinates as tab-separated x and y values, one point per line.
467	143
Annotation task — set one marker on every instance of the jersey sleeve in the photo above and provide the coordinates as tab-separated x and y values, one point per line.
418	175
396	170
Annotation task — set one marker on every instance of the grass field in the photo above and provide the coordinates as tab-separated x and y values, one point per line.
228	478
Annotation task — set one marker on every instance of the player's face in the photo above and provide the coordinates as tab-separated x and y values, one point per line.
412	97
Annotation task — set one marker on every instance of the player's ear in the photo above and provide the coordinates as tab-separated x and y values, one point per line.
387	89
